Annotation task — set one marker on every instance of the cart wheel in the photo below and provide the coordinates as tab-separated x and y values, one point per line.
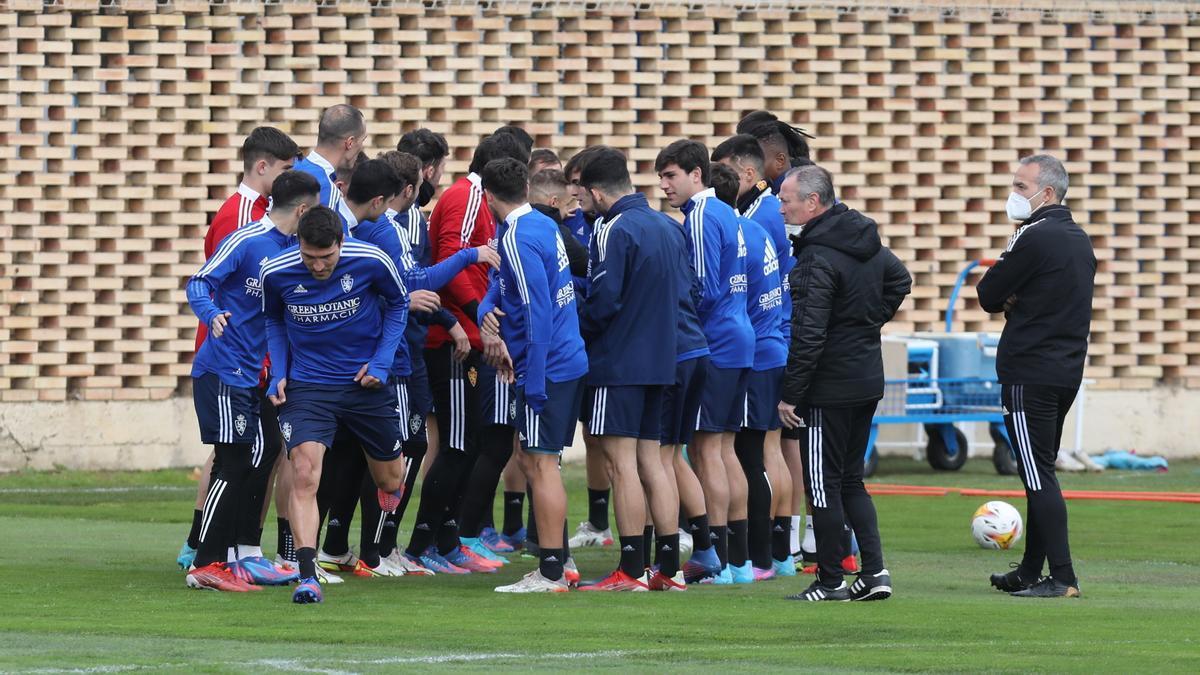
871	463
939	455
1002	455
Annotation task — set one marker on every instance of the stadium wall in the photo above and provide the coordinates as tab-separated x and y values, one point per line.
121	123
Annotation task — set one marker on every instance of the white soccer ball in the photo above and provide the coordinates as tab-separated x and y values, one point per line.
996	525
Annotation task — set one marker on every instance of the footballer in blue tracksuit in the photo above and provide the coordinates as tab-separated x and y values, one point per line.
226	296
540	328
335	314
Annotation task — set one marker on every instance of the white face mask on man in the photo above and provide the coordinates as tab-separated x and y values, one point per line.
1019	207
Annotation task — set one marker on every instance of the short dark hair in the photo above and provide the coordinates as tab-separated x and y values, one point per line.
724	181
742	149
687	154
518	133
373	178
543	156
769	129
429	146
580	160
607	170
320	227
267	143
291	188
547	182
338	122
497	146
506	178
406	166
344	173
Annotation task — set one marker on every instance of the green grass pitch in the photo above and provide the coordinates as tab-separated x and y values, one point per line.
90	585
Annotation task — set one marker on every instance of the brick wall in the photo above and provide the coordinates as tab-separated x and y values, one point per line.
120	126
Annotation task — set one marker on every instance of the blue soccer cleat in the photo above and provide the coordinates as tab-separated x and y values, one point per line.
430	559
725	578
309	591
703	564
784	568
482	550
516	540
262	572
743	574
495	543
187	556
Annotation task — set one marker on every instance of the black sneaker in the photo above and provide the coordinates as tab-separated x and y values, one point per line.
818	593
871	587
1049	587
1012	581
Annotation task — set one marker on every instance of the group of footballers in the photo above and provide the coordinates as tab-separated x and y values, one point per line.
348	345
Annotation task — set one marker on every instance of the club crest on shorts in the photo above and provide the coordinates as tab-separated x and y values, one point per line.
286	429
240	424
414	422
347	282
472	375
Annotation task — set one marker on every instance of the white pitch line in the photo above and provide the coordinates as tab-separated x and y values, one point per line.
96	490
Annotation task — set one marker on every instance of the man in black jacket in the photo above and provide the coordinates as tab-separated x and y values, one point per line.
1043	283
845	286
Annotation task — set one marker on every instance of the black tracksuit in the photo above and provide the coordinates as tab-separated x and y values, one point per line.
1047	271
845	286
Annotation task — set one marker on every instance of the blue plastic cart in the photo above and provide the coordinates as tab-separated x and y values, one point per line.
937	403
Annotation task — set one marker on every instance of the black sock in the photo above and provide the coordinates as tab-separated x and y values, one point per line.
447	536
346	466
739	549
226	492
193	538
306	560
598	508
531	533
436	492
720	537
667	554
286	546
514	509
551	563
781	535
847	544
700	531
479	494
632	559
647	544
371	521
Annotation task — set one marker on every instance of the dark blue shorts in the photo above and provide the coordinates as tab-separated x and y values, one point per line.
376	417
497	400
761	410
681	401
226	414
554	428
420	397
723	401
631	411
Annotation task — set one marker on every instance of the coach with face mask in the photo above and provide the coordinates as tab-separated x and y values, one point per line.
1043	284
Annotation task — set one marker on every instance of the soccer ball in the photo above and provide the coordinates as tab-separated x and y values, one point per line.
996	525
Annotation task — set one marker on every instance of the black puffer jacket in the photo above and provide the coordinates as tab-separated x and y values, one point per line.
845	286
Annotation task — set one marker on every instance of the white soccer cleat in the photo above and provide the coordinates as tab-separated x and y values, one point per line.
534	582
587	535
685	545
405	566
337	563
326	577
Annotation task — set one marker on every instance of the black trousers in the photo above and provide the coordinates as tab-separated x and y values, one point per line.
1034	416
833	447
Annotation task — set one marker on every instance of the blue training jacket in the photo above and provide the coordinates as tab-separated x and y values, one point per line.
318	167
764	210
537	295
628	319
322	332
719	259
765	299
228	282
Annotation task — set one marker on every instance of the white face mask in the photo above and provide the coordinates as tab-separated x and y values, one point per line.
793	230
1019	207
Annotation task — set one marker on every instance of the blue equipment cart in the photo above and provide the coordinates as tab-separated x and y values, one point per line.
951	378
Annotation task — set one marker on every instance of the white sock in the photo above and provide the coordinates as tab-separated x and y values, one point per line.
231	554
810	539
794	535
249	551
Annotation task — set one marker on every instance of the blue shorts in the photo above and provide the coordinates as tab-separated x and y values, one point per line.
628	411
497	400
553	429
420	398
723	401
227	414
377	418
761	410
681	401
